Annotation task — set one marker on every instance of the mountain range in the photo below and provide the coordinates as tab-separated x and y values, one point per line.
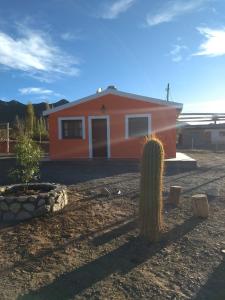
10	109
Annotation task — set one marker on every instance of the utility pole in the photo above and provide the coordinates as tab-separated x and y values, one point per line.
168	92
215	118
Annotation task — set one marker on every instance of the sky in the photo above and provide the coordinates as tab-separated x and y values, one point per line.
54	49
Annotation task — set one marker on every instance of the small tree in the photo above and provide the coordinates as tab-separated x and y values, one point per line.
30	119
18	127
28	156
47	106
40	132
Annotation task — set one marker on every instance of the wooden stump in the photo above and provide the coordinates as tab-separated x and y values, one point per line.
174	195
200	205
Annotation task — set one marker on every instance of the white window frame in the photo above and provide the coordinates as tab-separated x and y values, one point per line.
127	117
70	118
90	118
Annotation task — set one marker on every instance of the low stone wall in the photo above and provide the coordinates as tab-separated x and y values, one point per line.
14	208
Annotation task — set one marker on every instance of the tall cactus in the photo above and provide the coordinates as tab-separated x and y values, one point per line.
150	206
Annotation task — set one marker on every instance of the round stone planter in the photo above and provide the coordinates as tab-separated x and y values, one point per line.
49	199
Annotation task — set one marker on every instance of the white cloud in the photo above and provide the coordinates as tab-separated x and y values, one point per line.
39	91
113	10
68	36
214	44
177	52
35	90
34	53
172	10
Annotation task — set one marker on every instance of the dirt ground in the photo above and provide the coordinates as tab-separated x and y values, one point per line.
92	249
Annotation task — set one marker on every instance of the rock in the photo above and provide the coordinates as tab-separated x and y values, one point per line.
8	216
24	207
59	200
40	211
56	207
53	194
41	202
48	208
43	196
14	207
50	201
23	215
105	192
22	199
65	199
213	191
29	206
3	206
10	200
2	189
32	199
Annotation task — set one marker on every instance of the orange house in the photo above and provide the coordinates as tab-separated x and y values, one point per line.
111	124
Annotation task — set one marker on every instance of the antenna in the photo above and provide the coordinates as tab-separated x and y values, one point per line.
168	92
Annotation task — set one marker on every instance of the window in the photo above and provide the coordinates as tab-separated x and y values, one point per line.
137	126
71	128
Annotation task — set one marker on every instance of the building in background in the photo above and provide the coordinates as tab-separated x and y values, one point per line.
211	136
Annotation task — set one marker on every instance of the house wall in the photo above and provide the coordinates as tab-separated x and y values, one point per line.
163	120
202	138
217	136
194	138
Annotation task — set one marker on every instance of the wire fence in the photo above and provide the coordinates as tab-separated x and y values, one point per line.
4	137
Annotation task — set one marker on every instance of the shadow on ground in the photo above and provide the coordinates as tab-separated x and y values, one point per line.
122	260
215	286
71	172
114	230
76	171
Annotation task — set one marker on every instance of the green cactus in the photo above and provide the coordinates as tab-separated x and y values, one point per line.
150	207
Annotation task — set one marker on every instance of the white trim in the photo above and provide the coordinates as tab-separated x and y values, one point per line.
90	118
176	105
70	118
127	117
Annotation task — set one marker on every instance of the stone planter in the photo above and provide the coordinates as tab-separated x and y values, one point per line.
51	198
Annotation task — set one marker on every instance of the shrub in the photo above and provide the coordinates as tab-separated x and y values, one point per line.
28	156
150	206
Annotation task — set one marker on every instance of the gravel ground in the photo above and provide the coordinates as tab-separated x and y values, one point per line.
91	250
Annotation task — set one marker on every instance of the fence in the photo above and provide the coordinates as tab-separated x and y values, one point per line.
201	131
4	138
7	147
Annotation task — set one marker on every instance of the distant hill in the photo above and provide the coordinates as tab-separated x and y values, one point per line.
9	110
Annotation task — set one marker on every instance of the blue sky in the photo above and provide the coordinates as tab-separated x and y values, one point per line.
53	49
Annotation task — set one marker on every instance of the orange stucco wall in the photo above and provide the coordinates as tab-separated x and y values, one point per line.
163	120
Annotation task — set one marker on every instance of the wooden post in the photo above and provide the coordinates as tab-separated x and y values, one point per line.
200	205
174	195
